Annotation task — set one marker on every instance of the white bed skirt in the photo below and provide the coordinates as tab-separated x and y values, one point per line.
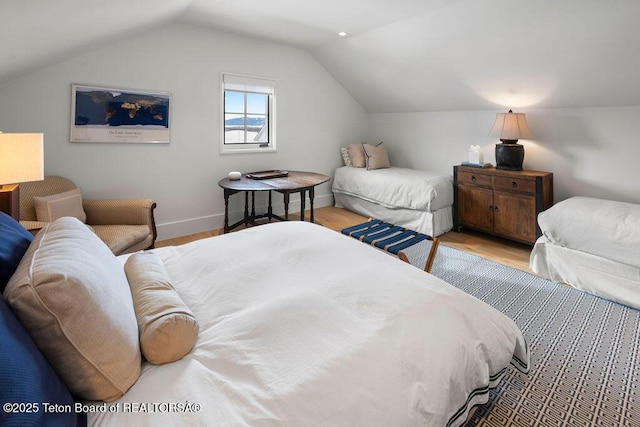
590	273
432	223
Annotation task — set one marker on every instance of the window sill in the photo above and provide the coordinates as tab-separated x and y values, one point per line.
227	150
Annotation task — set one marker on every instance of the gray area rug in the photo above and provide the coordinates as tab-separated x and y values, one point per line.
585	350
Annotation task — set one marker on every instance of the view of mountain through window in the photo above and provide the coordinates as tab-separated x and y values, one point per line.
248	113
245	117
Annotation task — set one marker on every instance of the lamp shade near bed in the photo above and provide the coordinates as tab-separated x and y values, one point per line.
21	160
510	127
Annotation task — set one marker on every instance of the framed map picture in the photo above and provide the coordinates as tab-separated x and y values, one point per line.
105	114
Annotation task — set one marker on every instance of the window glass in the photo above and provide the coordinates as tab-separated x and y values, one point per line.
248	111
234	101
257	103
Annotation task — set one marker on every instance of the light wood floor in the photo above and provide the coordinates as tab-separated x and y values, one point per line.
509	253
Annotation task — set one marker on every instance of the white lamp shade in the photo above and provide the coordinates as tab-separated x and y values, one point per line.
21	157
511	126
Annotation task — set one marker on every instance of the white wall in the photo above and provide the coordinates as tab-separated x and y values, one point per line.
591	151
315	115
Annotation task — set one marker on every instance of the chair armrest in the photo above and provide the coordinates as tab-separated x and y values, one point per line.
120	212
33	226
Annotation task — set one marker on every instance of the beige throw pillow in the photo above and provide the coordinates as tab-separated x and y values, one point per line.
377	157
356	154
69	203
168	329
71	294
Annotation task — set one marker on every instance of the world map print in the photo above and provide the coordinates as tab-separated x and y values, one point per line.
95	107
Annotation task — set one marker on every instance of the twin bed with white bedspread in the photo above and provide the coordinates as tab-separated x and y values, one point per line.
418	200
593	245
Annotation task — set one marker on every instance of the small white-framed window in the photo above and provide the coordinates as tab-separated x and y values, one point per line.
248	114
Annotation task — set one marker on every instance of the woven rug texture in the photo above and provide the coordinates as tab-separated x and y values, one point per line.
585	350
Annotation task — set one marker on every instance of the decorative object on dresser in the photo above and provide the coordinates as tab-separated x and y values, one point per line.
475	155
500	202
477	165
21	160
510	127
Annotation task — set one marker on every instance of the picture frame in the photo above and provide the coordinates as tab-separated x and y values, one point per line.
105	114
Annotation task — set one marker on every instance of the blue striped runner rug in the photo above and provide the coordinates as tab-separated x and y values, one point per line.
585	350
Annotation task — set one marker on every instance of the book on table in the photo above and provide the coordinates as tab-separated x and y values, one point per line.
267	174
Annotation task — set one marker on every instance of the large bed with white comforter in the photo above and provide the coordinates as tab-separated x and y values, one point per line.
295	325
415	199
300	325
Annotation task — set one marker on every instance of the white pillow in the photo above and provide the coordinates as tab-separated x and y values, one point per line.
345	156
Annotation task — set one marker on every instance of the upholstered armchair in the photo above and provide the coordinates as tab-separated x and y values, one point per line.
125	225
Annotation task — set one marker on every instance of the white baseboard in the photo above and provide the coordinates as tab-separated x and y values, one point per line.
169	230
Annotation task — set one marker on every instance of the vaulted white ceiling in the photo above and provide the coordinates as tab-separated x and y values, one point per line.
398	56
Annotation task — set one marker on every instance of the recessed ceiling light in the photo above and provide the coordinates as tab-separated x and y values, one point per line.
342	34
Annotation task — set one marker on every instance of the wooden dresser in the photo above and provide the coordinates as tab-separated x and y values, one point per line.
500	202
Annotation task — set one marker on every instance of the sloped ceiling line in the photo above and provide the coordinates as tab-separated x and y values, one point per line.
399	55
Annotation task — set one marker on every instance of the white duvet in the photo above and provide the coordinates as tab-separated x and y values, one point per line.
302	326
396	187
603	228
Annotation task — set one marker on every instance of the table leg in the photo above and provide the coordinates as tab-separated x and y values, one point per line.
311	196
226	210
269	209
253	206
286	205
303	196
246	208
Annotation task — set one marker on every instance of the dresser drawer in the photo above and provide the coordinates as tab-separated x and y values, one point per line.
520	185
474	178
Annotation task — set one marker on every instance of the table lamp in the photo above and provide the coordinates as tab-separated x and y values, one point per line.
21	160
510	127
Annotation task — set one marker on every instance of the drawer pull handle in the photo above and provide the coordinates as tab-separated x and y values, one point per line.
514	184
473	178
